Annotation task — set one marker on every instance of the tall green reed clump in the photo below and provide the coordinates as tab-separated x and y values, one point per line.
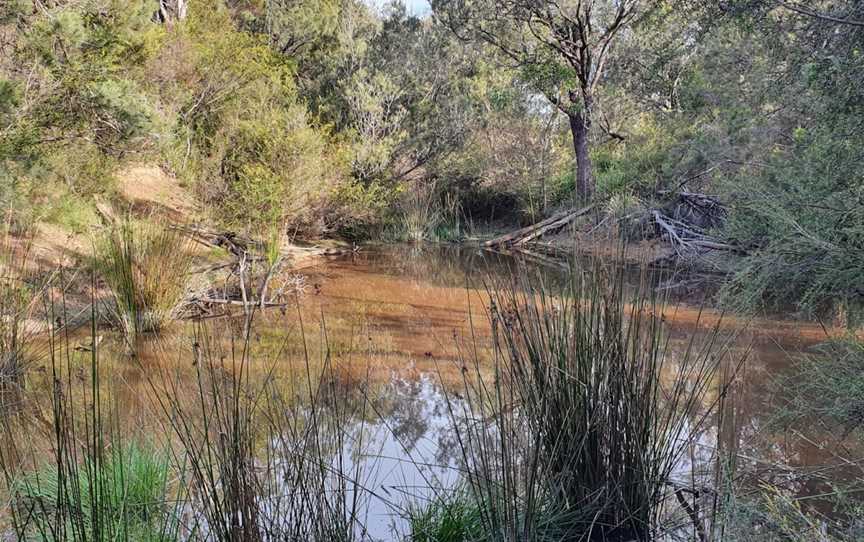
265	458
90	482
146	266
425	213
589	413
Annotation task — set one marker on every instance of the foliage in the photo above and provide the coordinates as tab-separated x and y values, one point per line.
330	117
71	102
588	415
127	492
450	518
771	514
804	219
146	267
827	386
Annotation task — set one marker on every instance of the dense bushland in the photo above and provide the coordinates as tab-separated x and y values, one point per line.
339	118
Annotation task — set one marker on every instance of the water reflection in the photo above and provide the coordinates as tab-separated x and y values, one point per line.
429	304
407	457
401	325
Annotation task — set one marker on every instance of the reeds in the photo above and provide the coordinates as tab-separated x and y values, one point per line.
92	482
264	458
146	267
21	295
576	437
589	413
425	214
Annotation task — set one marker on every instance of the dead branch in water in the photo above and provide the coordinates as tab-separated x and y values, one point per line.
236	302
234	243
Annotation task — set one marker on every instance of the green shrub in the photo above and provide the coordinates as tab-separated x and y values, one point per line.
827	385
801	217
275	169
772	514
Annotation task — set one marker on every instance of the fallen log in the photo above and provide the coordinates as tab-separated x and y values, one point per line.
529	233
234	243
554	226
237	302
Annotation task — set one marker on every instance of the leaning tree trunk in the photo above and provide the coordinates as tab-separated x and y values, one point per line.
579	124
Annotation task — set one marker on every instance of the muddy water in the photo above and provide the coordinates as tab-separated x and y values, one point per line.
425	308
410	319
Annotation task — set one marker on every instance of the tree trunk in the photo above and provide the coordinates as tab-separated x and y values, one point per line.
579	125
171	10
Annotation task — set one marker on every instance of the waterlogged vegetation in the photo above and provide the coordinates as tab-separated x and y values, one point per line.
146	267
451	271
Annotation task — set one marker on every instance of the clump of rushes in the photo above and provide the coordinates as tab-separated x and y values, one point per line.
123	496
588	414
263	459
450	518
146	267
92	482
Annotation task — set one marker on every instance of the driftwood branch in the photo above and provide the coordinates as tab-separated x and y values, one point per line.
237	302
529	233
232	242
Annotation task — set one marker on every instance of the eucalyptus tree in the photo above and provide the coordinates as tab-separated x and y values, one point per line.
561	47
172	10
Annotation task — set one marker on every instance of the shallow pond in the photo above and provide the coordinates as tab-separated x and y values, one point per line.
425	304
408	317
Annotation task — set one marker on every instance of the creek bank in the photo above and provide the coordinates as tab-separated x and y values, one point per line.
680	231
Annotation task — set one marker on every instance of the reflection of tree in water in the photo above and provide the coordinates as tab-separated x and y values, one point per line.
407	416
456	266
416	411
438	265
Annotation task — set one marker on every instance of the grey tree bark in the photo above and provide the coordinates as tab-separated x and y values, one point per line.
172	10
579	125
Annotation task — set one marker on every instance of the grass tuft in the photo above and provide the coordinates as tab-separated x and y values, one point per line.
453	518
146	267
126	492
589	413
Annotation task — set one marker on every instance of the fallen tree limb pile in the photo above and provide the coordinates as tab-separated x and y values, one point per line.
529	233
687	238
246	278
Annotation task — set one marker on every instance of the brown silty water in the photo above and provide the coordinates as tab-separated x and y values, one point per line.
406	319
